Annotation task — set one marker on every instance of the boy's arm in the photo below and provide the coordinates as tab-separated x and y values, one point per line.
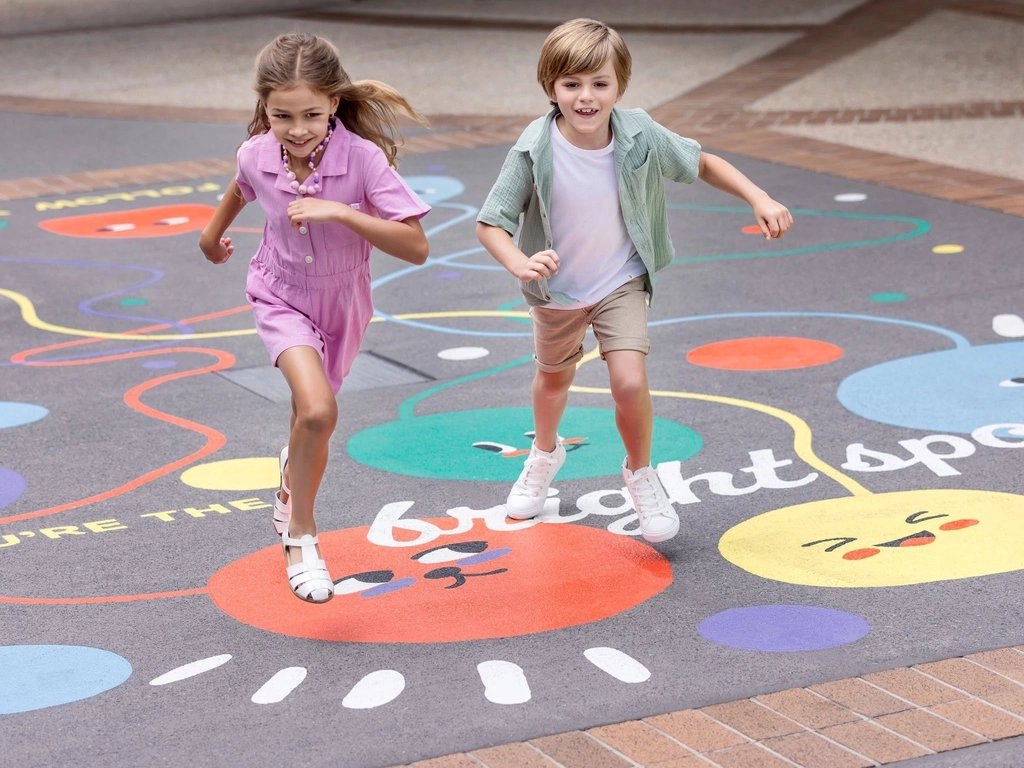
499	244
212	242
773	218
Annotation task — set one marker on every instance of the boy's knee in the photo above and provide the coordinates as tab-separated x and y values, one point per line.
554	383
629	387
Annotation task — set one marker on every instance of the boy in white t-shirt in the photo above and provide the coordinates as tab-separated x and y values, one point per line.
587	180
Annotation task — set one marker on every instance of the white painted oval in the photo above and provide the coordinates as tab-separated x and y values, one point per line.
619	665
375	690
1010	326
504	682
191	669
850	197
463	353
279	686
118	228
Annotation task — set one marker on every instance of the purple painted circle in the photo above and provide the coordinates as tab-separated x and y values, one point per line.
783	628
159	364
448	275
435	168
12	485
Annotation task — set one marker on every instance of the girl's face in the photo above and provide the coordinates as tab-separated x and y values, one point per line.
586	101
298	118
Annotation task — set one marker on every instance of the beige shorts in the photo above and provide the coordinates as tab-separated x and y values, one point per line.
619	320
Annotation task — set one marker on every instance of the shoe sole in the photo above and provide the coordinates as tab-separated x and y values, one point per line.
521	515
654	539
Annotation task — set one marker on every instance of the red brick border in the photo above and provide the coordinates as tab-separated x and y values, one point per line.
874	719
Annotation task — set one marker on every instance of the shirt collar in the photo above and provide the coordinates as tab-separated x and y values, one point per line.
333	163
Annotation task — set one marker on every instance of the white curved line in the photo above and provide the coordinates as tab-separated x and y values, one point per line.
191	669
617	664
279	686
375	690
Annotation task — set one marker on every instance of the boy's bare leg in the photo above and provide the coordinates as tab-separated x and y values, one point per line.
634	414
550	395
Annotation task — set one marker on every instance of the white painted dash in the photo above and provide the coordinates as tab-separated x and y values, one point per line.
617	664
375	690
279	686
1008	326
191	669
118	228
173	220
504	682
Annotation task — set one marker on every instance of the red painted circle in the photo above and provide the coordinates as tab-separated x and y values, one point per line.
158	221
765	353
555	576
753	229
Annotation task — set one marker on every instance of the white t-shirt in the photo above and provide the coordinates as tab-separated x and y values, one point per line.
595	253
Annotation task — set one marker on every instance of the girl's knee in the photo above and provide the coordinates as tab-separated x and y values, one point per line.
317	418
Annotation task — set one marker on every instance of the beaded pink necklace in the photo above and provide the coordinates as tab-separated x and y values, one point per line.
307	188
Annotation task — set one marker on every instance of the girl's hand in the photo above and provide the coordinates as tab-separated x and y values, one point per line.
541	264
314	209
773	218
219	251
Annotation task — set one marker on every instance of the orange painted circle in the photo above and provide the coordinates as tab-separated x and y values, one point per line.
521	582
753	229
156	221
764	353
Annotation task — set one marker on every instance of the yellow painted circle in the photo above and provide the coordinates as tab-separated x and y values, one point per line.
908	537
234	475
948	248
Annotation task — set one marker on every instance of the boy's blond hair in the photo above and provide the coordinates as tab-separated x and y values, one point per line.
582	46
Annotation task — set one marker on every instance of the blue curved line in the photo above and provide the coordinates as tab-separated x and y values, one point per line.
960	341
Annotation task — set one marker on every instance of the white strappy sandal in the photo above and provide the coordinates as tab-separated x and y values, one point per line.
308	579
282	509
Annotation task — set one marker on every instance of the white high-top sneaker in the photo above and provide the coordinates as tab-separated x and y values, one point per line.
527	497
658	521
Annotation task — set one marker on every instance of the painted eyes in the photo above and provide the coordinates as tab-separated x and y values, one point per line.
450	552
918	539
370	583
1014	382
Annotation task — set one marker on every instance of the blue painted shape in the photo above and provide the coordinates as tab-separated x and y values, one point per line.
14	414
435	189
12	485
954	390
157	364
391	586
39	676
483	557
783	628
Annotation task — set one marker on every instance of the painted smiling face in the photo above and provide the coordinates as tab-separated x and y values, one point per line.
469	586
159	221
883	540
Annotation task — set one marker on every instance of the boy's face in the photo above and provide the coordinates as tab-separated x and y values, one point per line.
586	101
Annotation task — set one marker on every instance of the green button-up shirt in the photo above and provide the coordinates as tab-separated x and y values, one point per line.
645	152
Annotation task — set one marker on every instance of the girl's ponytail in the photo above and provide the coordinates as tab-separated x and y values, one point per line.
370	108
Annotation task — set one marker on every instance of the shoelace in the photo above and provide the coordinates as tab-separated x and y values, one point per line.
529	482
647	495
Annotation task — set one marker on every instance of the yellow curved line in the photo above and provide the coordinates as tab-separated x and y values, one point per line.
28	314
801	432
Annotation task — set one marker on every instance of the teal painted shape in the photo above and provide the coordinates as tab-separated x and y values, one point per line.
440	445
888	298
132	302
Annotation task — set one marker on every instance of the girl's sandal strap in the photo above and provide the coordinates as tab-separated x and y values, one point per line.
308	579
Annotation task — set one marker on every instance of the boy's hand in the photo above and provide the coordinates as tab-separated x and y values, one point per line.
217	252
541	264
773	218
315	209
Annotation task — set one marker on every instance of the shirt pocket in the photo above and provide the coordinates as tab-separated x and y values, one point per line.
344	248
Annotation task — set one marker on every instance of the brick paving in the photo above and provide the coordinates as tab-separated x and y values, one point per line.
876	719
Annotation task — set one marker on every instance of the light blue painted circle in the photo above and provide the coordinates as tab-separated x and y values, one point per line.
14	414
435	189
887	298
955	390
39	676
783	628
12	485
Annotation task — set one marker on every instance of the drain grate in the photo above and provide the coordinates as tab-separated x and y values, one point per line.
369	371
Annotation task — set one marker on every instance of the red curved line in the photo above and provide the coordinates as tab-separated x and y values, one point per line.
108	599
214	439
19	357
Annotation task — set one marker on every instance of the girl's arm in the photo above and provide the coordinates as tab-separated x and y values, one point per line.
403	239
499	244
212	242
773	218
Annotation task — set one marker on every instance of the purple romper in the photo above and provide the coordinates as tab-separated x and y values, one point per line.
312	288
